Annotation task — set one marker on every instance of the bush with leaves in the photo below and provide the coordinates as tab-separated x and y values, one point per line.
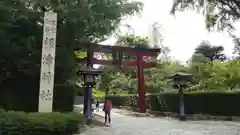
20	123
195	102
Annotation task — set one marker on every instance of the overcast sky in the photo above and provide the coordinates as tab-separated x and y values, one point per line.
182	33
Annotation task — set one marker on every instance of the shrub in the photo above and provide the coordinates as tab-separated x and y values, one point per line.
214	103
20	123
166	102
25	98
63	98
127	101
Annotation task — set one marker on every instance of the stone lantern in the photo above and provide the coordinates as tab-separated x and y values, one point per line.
180	82
89	75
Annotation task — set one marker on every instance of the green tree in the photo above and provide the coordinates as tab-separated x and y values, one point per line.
157	78
219	13
78	21
206	67
232	78
21	27
218	76
224	75
198	58
109	74
133	42
236	41
210	52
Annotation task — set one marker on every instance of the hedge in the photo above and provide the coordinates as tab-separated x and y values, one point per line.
25	98
214	103
129	101
20	123
63	99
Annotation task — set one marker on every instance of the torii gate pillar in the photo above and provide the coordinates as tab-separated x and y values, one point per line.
141	84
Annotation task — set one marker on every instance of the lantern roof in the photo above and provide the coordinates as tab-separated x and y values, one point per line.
180	75
87	70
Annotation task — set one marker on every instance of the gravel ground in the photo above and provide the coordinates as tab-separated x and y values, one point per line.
128	125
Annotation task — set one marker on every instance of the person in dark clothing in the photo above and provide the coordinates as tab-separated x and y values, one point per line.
92	105
97	106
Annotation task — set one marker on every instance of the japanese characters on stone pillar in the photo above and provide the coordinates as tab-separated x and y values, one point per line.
47	63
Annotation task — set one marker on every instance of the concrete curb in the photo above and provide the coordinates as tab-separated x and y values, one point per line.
210	117
131	113
140	114
99	119
196	117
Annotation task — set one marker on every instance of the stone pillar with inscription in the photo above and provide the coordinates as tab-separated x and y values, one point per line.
45	103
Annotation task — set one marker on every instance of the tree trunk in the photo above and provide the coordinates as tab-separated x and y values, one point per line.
106	92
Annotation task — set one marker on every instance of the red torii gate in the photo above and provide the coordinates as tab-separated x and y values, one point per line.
117	53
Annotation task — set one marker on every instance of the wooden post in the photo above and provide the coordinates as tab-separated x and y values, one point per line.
141	85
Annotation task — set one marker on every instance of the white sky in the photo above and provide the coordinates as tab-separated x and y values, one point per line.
182	33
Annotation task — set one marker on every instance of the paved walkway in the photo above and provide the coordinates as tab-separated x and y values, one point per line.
128	125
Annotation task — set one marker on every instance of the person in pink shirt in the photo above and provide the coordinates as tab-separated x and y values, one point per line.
107	109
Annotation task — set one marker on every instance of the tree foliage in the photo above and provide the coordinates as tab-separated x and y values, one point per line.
211	72
125	77
218	13
215	74
209	51
78	21
21	32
